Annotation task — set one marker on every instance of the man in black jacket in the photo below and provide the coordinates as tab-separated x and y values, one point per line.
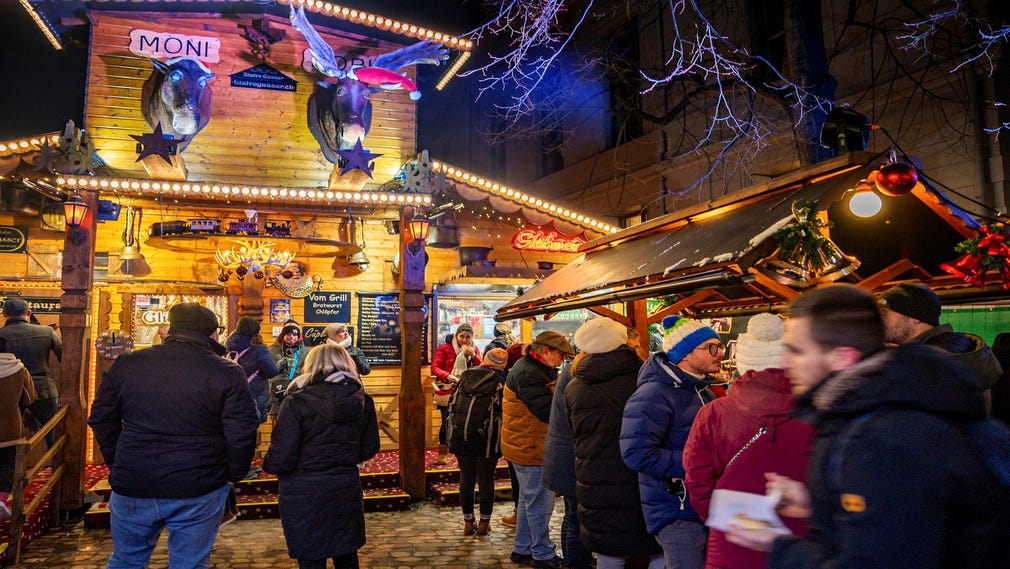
893	483
175	423
911	313
32	344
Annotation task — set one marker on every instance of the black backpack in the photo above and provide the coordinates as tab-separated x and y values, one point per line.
472	406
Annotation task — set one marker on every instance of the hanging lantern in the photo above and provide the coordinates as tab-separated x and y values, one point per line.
896	179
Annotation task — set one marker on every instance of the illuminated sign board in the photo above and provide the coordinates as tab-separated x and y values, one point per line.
548	241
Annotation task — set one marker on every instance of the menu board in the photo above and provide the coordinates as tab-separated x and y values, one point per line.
379	334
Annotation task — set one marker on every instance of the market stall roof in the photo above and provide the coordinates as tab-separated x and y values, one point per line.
710	250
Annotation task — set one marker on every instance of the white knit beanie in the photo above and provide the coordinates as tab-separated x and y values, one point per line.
600	335
761	346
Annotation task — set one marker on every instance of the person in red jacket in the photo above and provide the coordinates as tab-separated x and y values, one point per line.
736	439
445	368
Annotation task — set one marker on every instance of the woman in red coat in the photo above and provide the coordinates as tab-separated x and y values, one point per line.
736	439
445	368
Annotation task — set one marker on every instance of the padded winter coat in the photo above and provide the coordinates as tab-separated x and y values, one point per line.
174	420
610	508
322	432
915	495
526	409
753	424
657	420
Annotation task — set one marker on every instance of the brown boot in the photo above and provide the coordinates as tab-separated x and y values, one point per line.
482	526
443	455
510	520
468	528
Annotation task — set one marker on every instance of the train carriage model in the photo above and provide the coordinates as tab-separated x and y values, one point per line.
160	228
204	225
278	229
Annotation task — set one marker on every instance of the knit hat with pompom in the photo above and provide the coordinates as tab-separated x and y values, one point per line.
761	346
682	335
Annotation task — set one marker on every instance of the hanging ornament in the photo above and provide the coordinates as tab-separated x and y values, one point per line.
896	179
804	256
988	251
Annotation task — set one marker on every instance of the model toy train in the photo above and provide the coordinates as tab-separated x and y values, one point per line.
211	226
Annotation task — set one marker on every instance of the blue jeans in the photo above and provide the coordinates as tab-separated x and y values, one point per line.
576	554
536	503
683	544
191	522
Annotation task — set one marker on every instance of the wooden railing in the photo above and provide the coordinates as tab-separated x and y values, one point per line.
25	473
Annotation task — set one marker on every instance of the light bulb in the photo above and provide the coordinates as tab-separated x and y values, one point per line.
865	204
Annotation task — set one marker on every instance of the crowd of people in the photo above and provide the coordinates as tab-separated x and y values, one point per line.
845	420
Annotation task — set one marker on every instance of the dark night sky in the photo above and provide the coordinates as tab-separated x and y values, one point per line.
43	87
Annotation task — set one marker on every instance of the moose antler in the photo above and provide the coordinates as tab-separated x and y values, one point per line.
322	54
421	52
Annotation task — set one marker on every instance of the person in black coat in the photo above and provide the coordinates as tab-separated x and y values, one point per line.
175	423
325	427
610	507
477	451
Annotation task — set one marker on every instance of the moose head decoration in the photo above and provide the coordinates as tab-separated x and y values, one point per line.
340	113
177	97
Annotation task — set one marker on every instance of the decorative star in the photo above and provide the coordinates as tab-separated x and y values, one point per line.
46	157
357	158
156	144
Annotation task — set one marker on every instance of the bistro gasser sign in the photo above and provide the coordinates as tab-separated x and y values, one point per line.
547	240
13	238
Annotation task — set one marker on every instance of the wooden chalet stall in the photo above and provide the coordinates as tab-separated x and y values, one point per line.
178	219
720	259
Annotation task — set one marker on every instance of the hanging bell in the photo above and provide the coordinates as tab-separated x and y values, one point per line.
968	268
130	253
788	269
832	263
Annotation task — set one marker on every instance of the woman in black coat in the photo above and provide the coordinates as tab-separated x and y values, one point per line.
325	427
610	507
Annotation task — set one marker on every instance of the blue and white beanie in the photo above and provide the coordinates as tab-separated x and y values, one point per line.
682	335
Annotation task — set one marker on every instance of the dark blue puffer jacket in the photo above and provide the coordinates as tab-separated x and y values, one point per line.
657	420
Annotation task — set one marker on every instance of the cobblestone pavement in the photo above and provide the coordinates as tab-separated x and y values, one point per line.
424	536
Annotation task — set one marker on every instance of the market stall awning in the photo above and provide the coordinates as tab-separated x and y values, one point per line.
714	246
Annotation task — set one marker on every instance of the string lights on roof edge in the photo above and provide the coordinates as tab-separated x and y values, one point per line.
239	191
522	199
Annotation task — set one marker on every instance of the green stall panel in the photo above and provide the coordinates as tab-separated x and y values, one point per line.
986	321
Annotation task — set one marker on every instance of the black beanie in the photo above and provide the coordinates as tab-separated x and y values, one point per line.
914	300
193	317
288	328
247	326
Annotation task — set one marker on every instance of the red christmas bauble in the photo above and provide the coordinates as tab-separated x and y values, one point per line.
241	270
287	274
896	179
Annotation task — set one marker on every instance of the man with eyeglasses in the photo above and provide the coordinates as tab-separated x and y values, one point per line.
672	386
526	410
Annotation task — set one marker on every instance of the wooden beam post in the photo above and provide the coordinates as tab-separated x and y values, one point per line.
75	330
639	313
411	409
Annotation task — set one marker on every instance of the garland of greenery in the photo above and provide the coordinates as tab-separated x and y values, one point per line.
804	236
